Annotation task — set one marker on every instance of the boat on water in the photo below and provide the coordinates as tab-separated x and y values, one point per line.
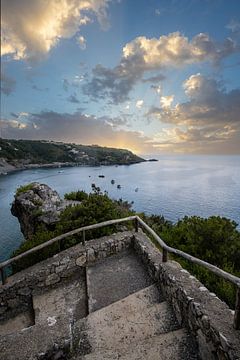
136	190
119	186
112	182
101	176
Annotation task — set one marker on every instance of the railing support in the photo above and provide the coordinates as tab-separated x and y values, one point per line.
164	255
84	237
236	322
3	276
136	224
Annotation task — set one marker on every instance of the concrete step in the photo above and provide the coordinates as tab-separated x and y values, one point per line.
127	321
114	278
175	345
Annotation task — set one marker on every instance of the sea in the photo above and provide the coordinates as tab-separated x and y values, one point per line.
173	186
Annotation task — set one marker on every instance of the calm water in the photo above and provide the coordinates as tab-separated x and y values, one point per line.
173	186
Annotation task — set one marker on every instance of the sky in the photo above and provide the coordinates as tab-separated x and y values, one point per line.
151	76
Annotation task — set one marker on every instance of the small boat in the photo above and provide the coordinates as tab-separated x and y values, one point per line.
101	176
61	171
136	190
112	182
119	186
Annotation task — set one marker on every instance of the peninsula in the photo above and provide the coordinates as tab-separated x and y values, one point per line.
25	154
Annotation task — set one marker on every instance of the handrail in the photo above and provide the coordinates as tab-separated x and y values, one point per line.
214	269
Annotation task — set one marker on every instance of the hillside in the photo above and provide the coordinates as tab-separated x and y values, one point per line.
24	153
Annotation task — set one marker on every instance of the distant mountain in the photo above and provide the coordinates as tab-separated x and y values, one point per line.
24	153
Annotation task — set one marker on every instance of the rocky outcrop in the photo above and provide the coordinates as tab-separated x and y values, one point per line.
37	205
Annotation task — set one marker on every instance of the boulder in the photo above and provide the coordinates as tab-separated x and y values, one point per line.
36	206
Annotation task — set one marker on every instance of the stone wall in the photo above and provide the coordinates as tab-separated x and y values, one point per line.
209	319
16	294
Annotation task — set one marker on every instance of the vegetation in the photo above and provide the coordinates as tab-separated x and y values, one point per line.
24	188
76	196
43	152
94	208
215	240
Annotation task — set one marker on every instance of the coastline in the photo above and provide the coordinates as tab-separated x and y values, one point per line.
6	168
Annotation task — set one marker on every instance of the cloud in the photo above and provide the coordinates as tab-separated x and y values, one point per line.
142	55
208	122
154	79
82	42
30	29
208	103
157	88
234	26
73	99
157	12
7	84
78	128
139	104
166	101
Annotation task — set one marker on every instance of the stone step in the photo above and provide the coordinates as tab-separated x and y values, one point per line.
127	321
175	345
114	278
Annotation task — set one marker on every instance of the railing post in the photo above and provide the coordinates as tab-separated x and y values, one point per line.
3	276
236	322
84	237
136	224
164	255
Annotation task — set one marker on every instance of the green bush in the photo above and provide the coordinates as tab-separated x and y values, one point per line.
76	195
24	188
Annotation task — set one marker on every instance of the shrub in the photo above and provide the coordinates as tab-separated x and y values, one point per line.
24	188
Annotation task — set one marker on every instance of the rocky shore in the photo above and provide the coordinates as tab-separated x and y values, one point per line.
6	167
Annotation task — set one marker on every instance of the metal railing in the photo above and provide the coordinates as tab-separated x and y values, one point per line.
165	250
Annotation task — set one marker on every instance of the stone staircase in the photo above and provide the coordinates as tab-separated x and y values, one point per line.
113	299
128	318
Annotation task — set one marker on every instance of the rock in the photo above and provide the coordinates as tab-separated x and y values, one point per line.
38	205
81	260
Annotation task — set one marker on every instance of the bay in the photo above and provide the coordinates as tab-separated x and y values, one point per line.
174	186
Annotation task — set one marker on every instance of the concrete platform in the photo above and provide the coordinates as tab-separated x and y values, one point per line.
67	299
114	278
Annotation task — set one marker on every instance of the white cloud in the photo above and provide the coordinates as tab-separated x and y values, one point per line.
139	104
31	28
176	50
208	122
155	54
166	101
82	42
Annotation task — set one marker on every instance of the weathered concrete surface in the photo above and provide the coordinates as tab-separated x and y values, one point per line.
16	294
208	318
35	342
129	324
17	323
175	345
130	320
114	278
67	299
